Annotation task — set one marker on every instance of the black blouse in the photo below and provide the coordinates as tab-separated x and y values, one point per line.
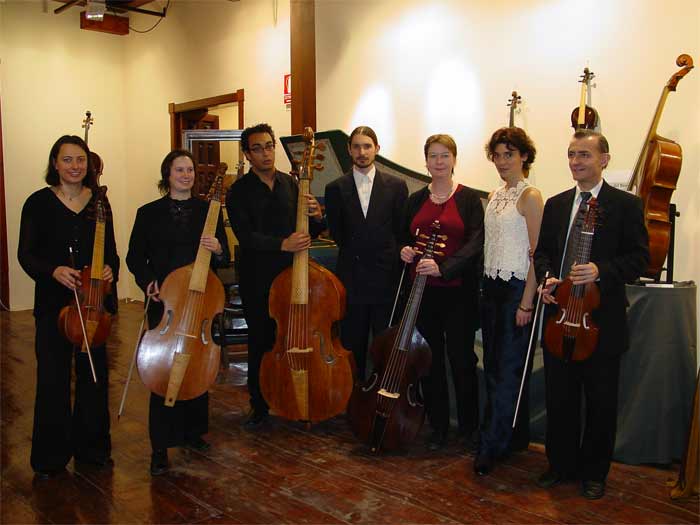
47	229
166	236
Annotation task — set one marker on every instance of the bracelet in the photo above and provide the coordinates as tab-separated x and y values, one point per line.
523	309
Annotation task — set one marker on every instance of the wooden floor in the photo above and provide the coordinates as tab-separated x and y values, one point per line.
284	474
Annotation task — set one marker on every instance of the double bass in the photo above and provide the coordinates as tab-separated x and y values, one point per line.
86	322
388	410
178	359
571	334
584	116
308	375
655	176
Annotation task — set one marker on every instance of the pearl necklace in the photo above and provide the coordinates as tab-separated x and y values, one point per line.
440	199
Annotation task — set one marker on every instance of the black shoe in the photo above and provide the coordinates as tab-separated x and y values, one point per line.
256	419
159	462
197	444
593	489
437	441
550	479
483	464
43	475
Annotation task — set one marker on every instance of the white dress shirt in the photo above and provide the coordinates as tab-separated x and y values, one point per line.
363	183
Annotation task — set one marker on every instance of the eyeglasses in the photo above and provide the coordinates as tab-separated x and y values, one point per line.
258	149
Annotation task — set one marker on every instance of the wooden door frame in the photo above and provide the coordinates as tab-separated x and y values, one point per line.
203	103
4	264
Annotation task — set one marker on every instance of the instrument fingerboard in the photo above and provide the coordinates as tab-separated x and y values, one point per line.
200	271
98	251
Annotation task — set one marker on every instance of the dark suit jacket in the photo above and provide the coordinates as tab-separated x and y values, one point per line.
620	249
368	258
467	262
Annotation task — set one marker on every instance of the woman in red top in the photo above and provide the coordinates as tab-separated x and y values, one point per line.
448	315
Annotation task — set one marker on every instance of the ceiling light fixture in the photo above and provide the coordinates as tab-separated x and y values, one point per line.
96	10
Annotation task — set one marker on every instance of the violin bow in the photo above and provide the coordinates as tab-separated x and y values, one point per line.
398	290
529	346
133	358
82	322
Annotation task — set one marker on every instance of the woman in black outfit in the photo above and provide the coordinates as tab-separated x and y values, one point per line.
448	315
166	236
54	219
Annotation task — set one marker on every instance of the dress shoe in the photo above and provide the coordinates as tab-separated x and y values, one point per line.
437	441
593	489
256	419
483	464
159	462
550	479
197	444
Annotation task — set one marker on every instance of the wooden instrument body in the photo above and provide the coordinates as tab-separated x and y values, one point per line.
98	322
656	174
571	334
589	121
662	169
185	328
328	368
399	425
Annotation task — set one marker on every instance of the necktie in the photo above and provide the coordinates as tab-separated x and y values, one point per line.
574	234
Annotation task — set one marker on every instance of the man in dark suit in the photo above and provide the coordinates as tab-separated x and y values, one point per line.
364	209
619	254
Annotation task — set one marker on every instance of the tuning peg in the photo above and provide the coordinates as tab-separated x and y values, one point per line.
419	252
442	237
440	244
423	236
419	243
439	254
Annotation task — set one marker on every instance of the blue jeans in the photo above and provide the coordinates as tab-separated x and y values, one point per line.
505	349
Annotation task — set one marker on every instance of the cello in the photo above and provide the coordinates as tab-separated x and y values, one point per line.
178	359
307	375
513	103
86	322
584	116
571	334
388	410
655	177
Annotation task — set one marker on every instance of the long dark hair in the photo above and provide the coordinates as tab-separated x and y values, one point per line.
52	178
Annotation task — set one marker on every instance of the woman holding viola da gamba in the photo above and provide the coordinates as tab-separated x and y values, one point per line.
56	240
166	236
448	316
513	218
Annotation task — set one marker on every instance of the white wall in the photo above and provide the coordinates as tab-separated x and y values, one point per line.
51	71
411	68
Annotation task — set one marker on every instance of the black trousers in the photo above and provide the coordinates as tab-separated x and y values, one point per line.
355	329
505	349
261	337
173	426
586	456
442	322
60	431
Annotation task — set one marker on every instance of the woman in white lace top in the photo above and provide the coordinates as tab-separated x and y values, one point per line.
512	224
